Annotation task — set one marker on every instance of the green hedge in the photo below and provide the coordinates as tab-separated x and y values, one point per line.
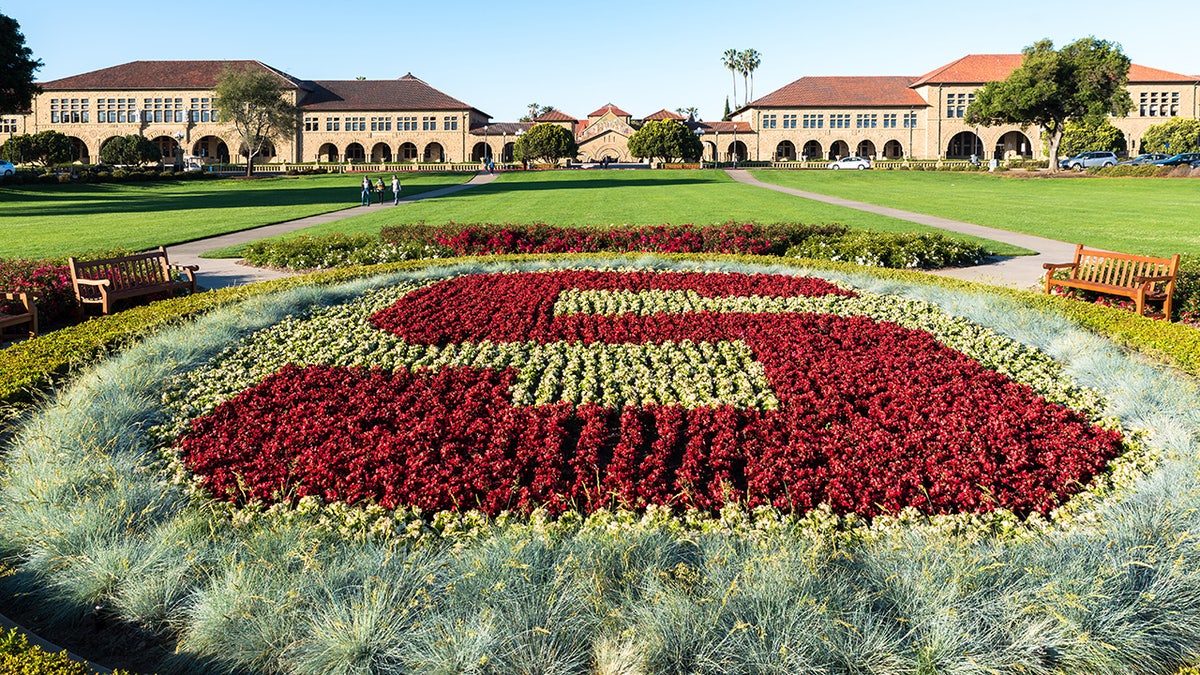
18	657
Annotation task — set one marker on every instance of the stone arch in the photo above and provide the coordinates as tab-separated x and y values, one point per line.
710	151
737	151
381	152
407	152
481	151
1014	144
785	151
434	153
839	149
355	153
506	153
964	144
265	154
812	150
79	150
866	148
169	149
328	152
893	150
211	148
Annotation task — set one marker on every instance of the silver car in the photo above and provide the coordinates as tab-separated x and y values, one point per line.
851	162
1086	160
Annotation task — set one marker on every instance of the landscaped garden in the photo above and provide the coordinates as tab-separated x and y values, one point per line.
671	464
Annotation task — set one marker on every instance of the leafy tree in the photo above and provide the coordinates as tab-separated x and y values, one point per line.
547	142
17	66
692	113
45	148
255	103
133	149
1084	80
730	59
666	140
1090	134
535	111
1175	135
725	117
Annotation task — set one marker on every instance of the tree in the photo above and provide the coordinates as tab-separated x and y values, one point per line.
254	102
133	149
45	148
750	61
666	140
1085	134
692	113
547	142
1175	135
17	66
730	59
725	117
1084	80
535	111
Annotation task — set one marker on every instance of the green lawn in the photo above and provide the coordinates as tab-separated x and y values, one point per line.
598	197
38	221
1149	216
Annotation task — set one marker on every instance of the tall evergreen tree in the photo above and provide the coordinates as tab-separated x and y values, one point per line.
17	66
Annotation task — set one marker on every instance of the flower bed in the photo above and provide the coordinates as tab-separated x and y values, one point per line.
629	389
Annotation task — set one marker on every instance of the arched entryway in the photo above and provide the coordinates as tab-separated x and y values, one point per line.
265	154
506	154
839	149
893	150
737	151
865	149
812	150
408	152
327	153
785	152
168	149
1014	145
382	152
211	148
79	151
355	153
710	151
963	145
434	153
481	151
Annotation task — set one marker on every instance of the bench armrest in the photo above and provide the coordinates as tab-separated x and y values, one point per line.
1057	266
93	282
194	268
1142	280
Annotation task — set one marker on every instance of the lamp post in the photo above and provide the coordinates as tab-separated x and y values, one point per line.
519	133
700	134
717	151
503	144
487	149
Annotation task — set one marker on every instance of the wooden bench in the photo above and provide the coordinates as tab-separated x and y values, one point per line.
103	282
28	316
1137	277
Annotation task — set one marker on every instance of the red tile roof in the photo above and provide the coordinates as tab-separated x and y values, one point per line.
981	68
555	116
664	114
161	75
499	129
406	93
825	92
608	107
726	127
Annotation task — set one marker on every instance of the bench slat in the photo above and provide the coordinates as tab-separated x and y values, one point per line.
127	277
1119	274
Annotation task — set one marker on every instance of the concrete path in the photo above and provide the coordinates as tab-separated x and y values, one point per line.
1024	272
222	272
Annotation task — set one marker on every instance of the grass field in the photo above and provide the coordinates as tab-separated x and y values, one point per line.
39	221
1150	216
597	197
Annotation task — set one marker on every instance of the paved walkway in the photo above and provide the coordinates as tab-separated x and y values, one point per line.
222	272
1023	272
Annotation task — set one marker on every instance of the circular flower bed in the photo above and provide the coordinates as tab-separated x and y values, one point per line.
580	390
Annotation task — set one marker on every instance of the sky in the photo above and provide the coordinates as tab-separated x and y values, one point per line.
580	55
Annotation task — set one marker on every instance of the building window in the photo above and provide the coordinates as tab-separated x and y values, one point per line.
69	111
381	124
814	121
866	120
311	124
956	104
356	124
789	121
889	120
406	123
1158	104
839	121
450	123
910	120
202	110
333	124
8	125
768	121
428	123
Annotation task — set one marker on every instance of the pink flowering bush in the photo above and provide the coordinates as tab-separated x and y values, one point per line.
50	281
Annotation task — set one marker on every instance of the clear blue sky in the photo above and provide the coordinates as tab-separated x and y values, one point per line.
577	56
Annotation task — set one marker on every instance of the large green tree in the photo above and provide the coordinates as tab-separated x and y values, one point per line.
45	148
665	140
256	104
1175	135
1091	134
1084	80
133	149
17	66
547	142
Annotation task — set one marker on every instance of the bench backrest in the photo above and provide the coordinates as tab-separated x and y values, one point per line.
133	271
1120	269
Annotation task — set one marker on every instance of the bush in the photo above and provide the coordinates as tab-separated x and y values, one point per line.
18	657
895	250
50	281
333	250
1129	170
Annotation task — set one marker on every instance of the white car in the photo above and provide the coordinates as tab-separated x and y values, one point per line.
7	168
851	162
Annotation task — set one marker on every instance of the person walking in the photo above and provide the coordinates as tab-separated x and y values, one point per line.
379	189
395	190
366	191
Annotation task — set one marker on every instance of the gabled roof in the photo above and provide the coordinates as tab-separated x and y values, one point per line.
981	68
554	116
406	93
608	107
162	75
664	114
813	92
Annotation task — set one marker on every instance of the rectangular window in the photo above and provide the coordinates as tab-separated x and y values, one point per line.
311	124
910	120
768	121
865	120
789	121
408	123
839	121
428	123
889	120
356	124
333	124
814	121
8	125
450	123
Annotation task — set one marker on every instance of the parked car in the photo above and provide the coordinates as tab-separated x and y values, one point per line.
1196	164
1147	158
851	162
7	168
1182	158
1086	160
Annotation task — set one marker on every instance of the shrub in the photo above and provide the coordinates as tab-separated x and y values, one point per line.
333	250
50	281
1128	170
18	657
896	250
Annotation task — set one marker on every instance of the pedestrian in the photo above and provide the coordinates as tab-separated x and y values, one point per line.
366	191
491	165
379	189
395	190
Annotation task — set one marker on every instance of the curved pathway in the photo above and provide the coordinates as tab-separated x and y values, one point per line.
222	272
1023	272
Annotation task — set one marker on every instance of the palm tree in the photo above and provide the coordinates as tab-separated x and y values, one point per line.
730	60
751	60
692	113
